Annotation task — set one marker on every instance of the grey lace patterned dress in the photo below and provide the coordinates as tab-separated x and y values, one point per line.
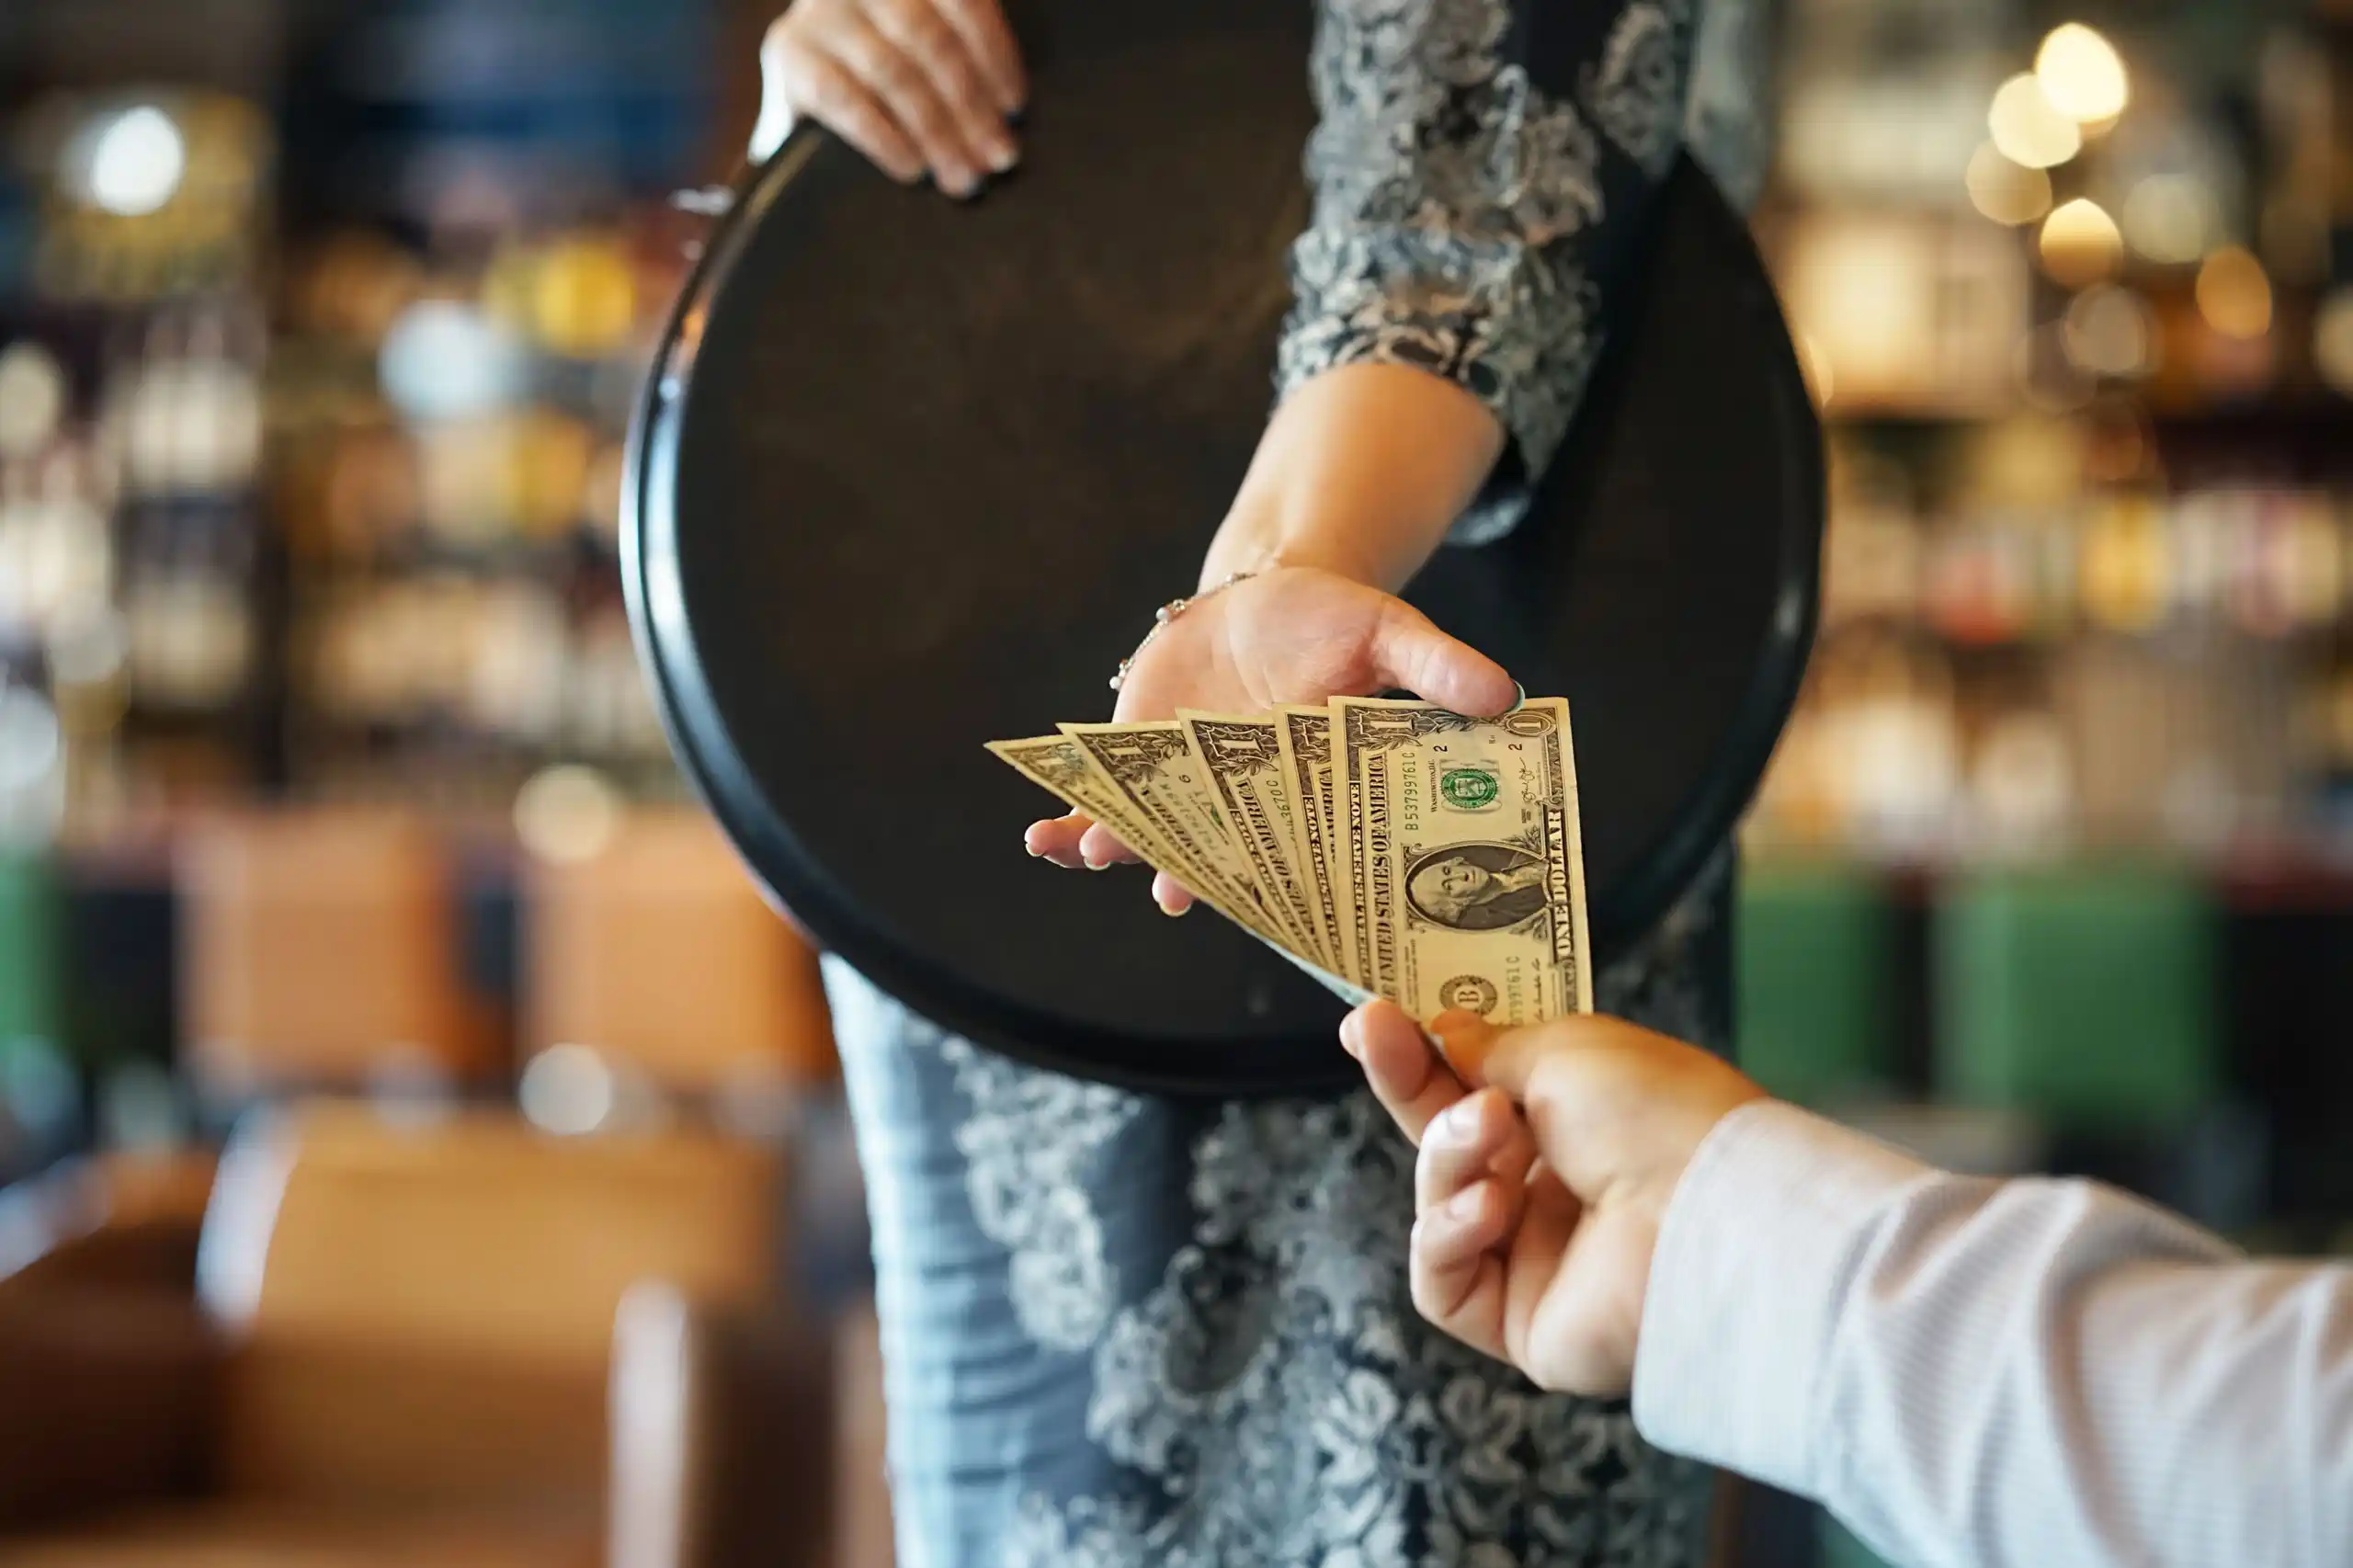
1122	1330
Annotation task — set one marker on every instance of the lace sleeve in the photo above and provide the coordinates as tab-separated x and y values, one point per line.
1477	167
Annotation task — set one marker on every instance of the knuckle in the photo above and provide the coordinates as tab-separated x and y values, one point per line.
825	90
929	31
895	77
861	48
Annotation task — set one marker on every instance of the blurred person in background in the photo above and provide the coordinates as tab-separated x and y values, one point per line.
1120	1328
2003	1374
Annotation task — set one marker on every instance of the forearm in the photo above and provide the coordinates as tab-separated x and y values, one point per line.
2012	1373
1361	472
1484	171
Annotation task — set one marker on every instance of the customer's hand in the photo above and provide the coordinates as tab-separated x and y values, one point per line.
917	86
1547	1156
1293	634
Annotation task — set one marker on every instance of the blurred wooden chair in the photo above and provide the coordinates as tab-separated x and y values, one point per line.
656	951
319	951
449	1343
863	1537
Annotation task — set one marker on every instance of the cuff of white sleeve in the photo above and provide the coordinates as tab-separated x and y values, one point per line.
1751	1271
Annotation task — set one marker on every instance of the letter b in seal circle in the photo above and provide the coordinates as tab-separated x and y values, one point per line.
1469	994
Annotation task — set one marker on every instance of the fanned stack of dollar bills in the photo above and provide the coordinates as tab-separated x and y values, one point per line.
1390	848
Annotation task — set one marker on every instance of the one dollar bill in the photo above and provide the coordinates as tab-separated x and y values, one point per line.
1241	757
1165	787
1060	765
1304	739
1064	766
1389	848
1463	858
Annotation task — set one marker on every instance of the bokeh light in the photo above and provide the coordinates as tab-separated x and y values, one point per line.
2108	332
2027	130
2234	294
2333	341
568	1090
32	398
444	359
2080	245
567	814
2005	191
134	161
2081	75
2169	219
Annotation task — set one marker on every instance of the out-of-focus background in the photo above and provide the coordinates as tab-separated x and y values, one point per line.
336	829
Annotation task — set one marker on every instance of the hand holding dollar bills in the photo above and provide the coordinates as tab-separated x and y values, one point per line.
1250	642
1391	849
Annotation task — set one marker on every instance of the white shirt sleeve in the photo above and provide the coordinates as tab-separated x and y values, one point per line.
2017	1374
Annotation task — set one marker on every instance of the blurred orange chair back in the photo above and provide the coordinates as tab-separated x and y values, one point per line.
658	953
320	950
426	1313
864	1537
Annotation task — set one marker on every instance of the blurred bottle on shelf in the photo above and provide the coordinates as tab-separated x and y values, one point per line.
2022	792
185	415
32	769
457	594
130	437
189	607
56	556
2126	582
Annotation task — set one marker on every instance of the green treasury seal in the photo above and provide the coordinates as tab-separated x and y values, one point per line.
1468	789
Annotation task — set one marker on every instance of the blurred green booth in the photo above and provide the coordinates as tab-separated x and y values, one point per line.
2085	995
32	952
1813	981
39	1092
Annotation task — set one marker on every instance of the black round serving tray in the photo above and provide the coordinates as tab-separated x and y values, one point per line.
909	474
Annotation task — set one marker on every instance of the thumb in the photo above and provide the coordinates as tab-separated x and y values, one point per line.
1468	1044
1486	1057
1410	652
776	105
